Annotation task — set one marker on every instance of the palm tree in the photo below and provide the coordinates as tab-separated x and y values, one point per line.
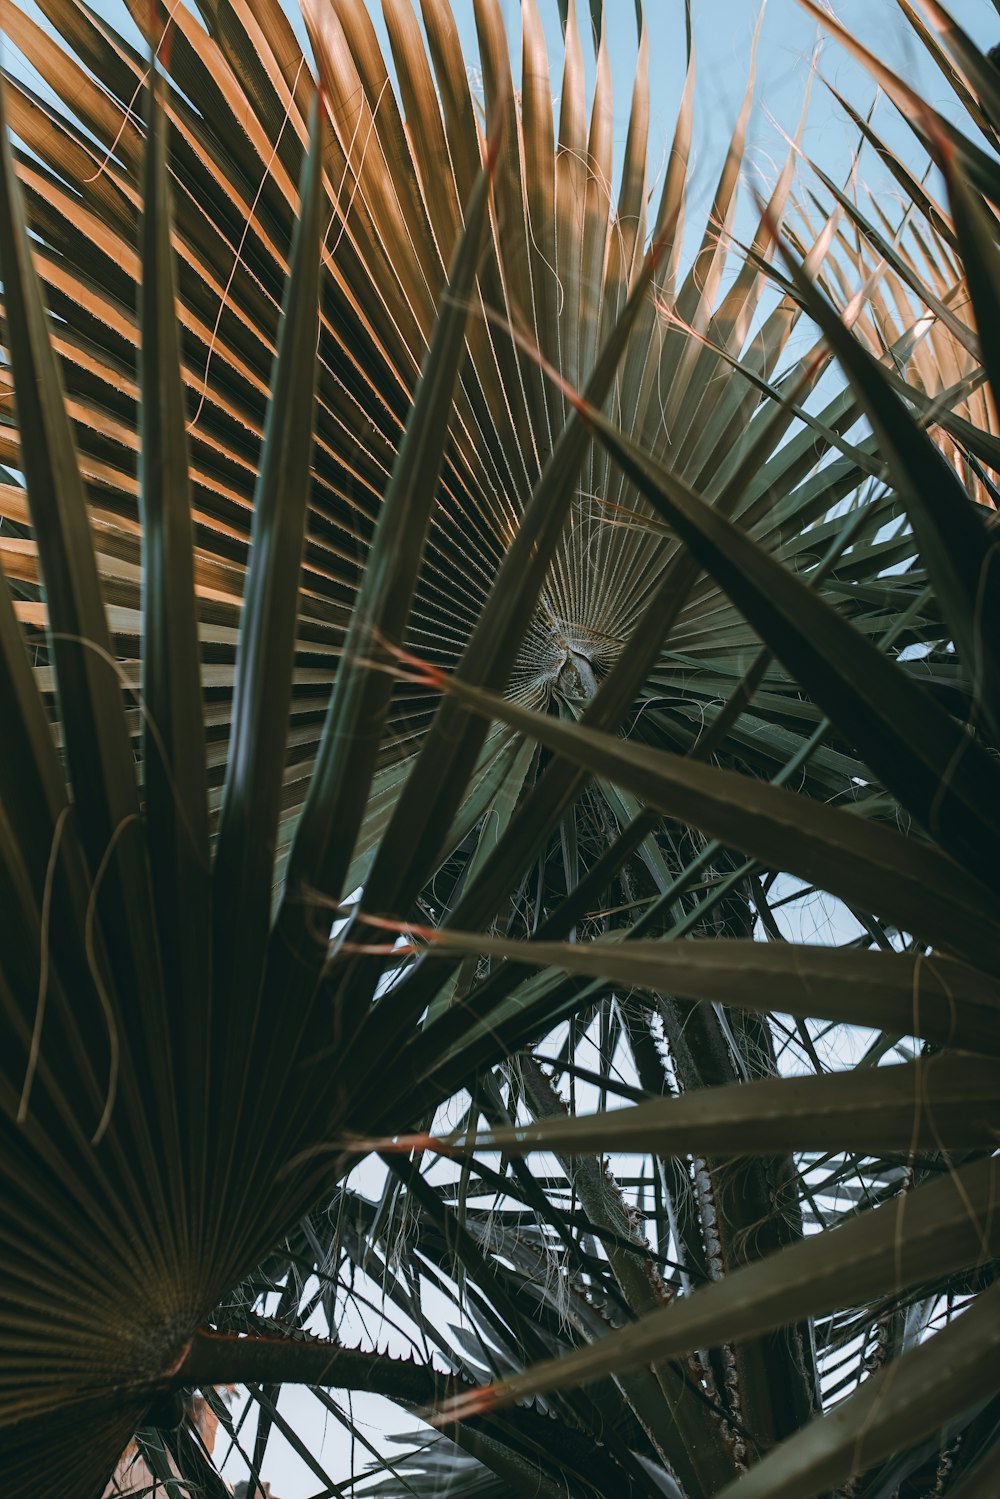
507	619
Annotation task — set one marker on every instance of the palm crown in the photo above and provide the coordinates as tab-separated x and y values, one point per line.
494	579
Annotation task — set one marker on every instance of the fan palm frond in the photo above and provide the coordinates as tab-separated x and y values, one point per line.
437	610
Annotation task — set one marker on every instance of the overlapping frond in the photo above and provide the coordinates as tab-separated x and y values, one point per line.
404	539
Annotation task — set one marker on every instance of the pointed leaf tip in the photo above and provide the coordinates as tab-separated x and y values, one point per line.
478	1402
406	1144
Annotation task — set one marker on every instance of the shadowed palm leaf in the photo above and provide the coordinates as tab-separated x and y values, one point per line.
447	533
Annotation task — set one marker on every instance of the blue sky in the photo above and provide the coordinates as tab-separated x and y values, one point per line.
723	36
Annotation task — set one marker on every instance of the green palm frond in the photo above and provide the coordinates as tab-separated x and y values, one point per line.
441	619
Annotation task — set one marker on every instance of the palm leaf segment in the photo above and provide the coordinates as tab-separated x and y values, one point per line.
146	1053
